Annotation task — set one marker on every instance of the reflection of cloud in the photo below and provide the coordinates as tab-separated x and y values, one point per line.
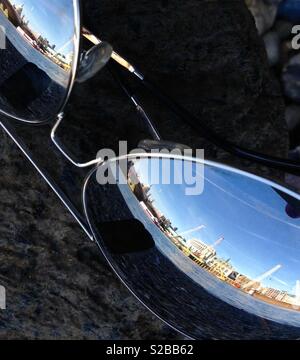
272	241
294	260
280	281
192	230
255	207
60	10
266	239
55	18
254	234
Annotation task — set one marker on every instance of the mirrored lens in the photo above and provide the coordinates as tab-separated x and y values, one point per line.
212	251
37	57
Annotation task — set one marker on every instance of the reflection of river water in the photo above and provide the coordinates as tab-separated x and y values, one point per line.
55	72
212	284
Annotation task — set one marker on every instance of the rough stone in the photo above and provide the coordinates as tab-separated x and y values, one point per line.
292	116
283	29
290	10
272	44
264	12
291	79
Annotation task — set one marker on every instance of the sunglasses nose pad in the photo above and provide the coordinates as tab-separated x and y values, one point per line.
93	61
150	145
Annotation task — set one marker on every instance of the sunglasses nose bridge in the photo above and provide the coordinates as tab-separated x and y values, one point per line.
61	147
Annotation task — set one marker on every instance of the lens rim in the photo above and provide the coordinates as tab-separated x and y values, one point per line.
97	235
77	47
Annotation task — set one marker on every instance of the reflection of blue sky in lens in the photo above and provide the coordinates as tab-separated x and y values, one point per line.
52	19
258	234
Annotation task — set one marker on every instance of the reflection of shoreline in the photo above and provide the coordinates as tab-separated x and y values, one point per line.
255	290
206	257
207	269
276	302
212	284
31	54
14	14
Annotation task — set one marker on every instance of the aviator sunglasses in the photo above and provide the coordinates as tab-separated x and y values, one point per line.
211	250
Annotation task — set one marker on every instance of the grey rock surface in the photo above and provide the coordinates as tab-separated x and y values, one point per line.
57	285
291	79
272	44
208	55
264	12
292	116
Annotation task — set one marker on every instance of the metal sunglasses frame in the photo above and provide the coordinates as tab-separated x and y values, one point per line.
173	156
287	165
79	32
83	221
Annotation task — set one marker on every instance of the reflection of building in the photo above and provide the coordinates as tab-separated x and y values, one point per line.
242	280
274	293
260	278
201	250
291	299
220	267
133	178
142	192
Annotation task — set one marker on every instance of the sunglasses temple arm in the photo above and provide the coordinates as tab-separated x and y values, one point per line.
287	165
115	56
60	194
144	115
139	108
274	162
63	149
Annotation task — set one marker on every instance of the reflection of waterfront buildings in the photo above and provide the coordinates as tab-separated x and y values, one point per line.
220	268
201	250
206	257
275	294
14	13
240	280
142	193
278	297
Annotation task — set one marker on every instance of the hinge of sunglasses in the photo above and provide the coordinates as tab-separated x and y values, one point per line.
115	56
64	151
